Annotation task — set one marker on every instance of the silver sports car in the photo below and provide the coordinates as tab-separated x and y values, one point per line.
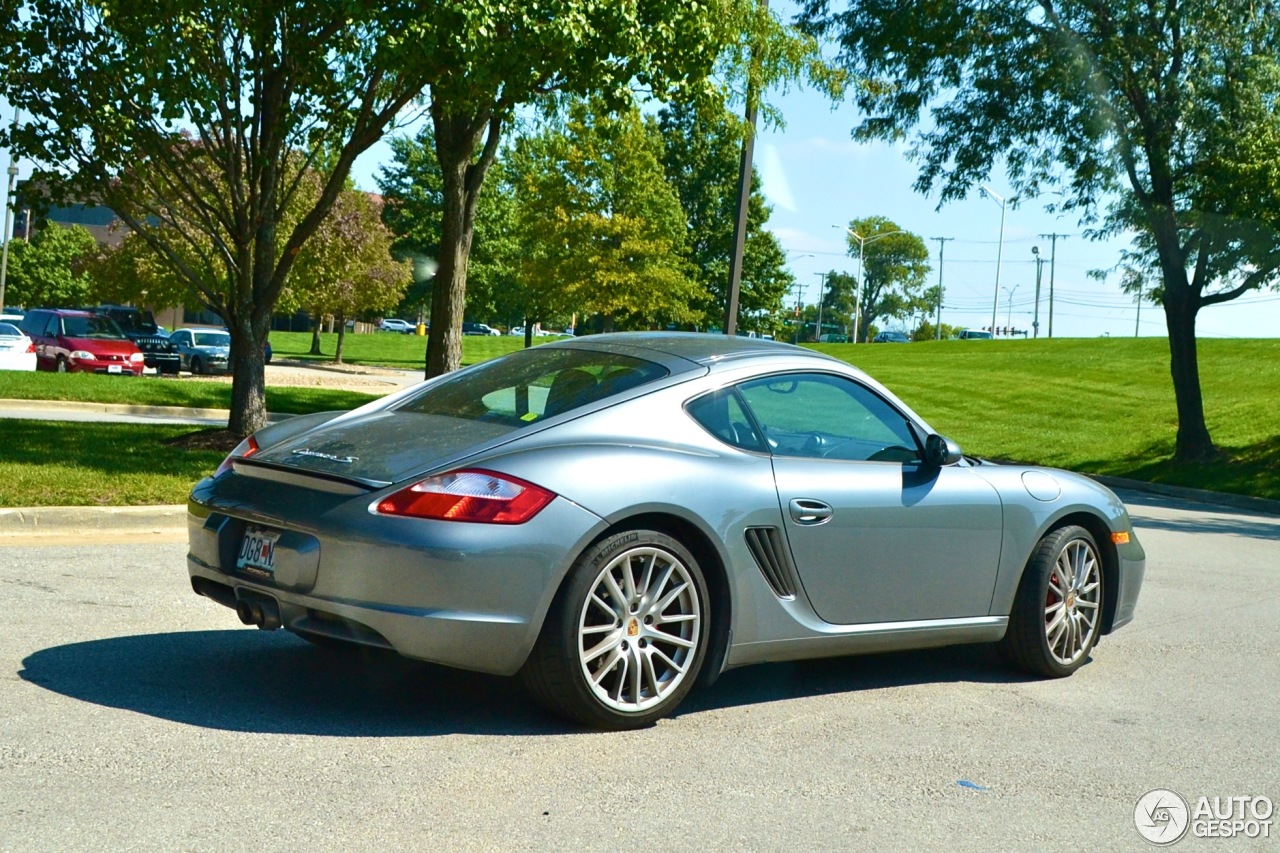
618	517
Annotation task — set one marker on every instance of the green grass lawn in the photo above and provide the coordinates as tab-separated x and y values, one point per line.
166	391
53	463
388	349
1098	405
1102	406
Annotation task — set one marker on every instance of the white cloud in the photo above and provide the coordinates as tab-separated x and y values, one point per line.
774	179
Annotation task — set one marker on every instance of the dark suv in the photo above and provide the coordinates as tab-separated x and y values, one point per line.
140	326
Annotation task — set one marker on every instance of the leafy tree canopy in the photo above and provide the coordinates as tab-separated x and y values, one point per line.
895	265
1171	109
49	271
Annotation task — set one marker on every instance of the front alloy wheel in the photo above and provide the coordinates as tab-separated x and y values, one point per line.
1057	614
624	641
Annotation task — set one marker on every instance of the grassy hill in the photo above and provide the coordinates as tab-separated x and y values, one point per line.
1099	405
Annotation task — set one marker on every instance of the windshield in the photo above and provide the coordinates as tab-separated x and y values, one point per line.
212	339
533	384
94	326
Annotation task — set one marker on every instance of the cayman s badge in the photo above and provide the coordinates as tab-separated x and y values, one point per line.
306	451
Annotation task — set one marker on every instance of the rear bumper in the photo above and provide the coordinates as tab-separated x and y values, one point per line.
443	592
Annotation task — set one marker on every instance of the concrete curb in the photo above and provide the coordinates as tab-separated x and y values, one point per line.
1204	496
52	520
126	409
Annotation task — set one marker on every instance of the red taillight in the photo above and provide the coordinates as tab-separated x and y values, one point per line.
468	495
31	347
243	450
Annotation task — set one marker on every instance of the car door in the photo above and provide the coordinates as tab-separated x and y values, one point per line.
181	340
876	534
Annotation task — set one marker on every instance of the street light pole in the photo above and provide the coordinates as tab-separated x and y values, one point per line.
1035	323
995	301
8	212
1009	317
862	250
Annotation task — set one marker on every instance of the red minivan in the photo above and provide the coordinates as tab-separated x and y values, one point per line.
80	341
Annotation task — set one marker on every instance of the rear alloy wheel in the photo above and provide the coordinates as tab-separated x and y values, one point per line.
61	366
625	638
1057	614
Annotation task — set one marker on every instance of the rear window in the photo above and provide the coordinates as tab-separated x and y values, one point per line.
532	385
8	330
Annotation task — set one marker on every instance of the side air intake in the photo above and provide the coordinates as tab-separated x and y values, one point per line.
771	556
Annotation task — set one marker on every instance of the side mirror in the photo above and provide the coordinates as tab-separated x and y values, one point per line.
940	451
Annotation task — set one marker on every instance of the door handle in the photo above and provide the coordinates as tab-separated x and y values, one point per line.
809	511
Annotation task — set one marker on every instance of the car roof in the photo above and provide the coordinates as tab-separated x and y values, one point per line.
703	349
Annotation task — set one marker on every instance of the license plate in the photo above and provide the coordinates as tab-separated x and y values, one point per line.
258	551
114	368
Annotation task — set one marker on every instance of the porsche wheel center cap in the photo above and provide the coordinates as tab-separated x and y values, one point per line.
633	627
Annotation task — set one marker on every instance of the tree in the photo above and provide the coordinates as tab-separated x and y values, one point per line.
839	299
49	271
489	58
602	229
1169	109
154	110
347	268
412	187
702	143
894	270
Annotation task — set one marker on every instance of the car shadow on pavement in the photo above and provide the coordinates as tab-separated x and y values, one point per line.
252	681
980	664
1201	518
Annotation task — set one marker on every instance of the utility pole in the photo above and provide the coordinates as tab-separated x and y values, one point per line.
1138	317
799	326
734	289
822	285
942	244
1053	254
1035	322
8	212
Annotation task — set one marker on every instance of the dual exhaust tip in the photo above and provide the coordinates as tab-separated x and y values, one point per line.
264	612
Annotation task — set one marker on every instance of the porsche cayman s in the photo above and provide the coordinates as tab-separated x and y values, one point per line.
617	518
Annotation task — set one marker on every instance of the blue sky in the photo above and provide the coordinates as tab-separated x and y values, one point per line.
816	177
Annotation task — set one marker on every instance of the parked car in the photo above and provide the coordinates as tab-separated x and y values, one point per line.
834	338
208	350
80	342
478	329
203	350
614	515
516	332
974	335
391	324
891	338
139	325
17	351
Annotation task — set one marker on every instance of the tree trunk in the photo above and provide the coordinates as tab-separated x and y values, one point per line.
1193	442
462	174
248	378
449	293
315	335
340	320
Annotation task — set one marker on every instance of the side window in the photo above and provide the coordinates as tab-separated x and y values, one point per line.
721	413
54	327
32	324
821	416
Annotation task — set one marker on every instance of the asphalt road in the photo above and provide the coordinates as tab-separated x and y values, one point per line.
135	715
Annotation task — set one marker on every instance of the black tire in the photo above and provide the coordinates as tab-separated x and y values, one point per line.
667	660
1066	560
197	366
